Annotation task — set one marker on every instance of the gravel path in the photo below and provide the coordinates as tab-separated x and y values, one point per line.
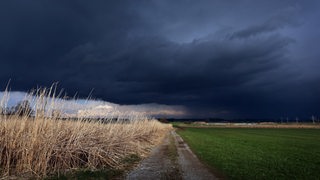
159	165
191	167
172	159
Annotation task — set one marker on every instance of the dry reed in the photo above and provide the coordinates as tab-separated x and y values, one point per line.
41	145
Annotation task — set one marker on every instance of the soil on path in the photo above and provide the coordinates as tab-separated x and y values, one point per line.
172	159
161	164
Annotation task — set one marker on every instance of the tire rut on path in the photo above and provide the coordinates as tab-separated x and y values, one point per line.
159	165
190	165
162	165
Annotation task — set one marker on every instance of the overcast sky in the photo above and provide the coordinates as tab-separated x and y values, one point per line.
214	58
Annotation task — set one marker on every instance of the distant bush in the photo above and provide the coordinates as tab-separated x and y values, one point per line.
23	108
163	120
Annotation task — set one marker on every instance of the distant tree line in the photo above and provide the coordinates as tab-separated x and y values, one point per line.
23	108
313	119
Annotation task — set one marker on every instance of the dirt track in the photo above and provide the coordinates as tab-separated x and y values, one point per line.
173	159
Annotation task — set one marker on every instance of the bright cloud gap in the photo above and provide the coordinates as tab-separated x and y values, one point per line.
90	108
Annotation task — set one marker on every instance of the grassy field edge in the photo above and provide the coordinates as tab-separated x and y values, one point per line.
257	153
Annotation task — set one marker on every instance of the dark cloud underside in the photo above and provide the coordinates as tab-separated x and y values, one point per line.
216	58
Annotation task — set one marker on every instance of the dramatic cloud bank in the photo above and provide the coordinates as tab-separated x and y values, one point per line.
206	58
97	108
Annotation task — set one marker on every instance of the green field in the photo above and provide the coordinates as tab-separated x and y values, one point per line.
258	153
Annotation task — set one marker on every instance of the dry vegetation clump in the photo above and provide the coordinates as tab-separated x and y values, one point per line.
41	145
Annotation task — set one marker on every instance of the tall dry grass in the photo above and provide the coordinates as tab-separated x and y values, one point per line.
42	145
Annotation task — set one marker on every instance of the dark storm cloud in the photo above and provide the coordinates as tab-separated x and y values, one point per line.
216	58
284	18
